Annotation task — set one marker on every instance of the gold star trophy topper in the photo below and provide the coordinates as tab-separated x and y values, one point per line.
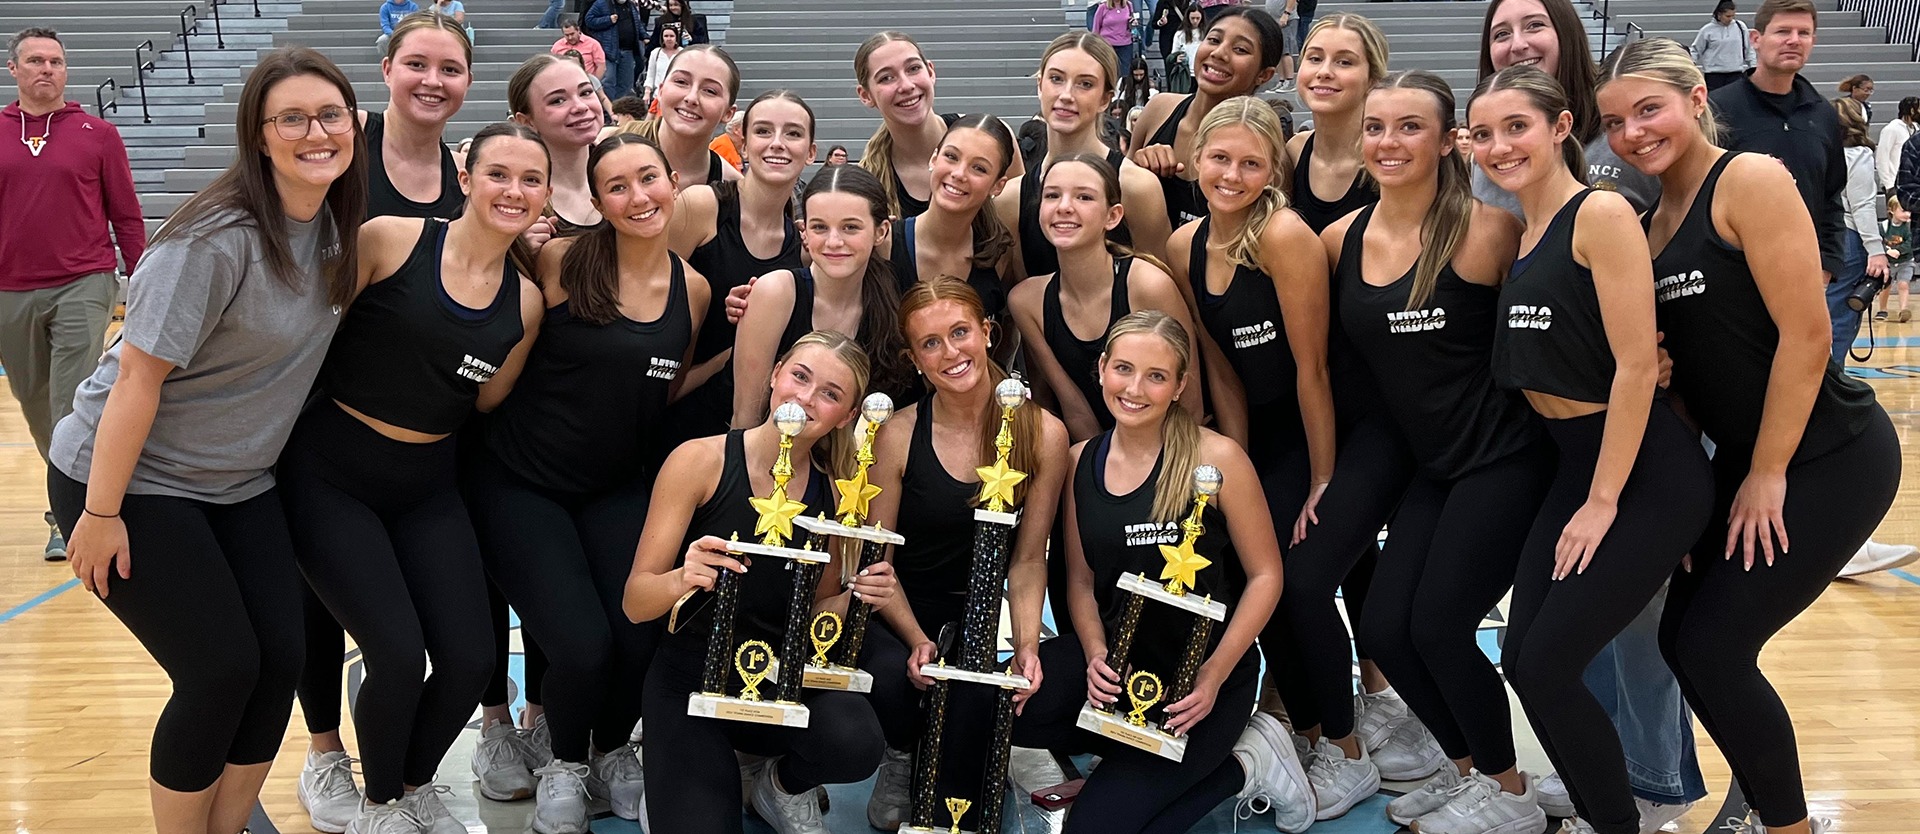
855	492
997	481
1183	564
776	511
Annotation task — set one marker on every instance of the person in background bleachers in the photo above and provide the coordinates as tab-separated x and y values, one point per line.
679	15
1897	234
837	155
390	14
1169	17
1290	40
456	10
659	62
1859	88
592	54
1722	48
620	26
1179	59
57	293
1893	138
730	141
1113	22
1138	87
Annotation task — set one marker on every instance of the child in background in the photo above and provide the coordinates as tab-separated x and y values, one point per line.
390	14
1897	231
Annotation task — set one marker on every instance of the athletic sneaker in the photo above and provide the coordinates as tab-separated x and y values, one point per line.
1553	796
391	818
1653	815
537	741
1751	825
887	808
1339	783
500	764
1576	826
1374	714
1426	799
1874	556
327	791
1880	316
560	803
788	813
1274	775
1478	806
1410	754
56	543
426	806
624	783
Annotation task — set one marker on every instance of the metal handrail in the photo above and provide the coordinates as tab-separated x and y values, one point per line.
1606	17
187	29
1633	27
140	77
219	37
100	104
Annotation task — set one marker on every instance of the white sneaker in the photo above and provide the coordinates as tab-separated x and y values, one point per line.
1874	556
1274	775
391	818
1554	798
624	781
1576	825
537	741
1426	799
1339	783
1653	815
425	805
1374	714
560	803
1750	824
887	808
1478	806
500	764
788	813
327	791
1410	754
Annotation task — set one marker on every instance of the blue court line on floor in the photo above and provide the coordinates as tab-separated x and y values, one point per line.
48	594
1896	572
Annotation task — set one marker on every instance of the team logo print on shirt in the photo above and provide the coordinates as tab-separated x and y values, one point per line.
1254	335
1415	321
475	369
1152	532
1529	317
1679	286
663	368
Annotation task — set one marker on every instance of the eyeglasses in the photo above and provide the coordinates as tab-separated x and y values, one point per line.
295	126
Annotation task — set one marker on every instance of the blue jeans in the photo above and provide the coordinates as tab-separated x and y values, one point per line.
1634	685
621	66
551	20
1853	270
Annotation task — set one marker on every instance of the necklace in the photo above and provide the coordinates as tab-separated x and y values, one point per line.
35	143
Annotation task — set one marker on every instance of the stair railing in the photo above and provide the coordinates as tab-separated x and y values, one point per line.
189	25
1605	15
100	104
140	68
219	37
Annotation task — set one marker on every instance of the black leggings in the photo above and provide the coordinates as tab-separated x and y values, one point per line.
207	576
1555	629
1449	560
326	650
382	537
1719	615
692	772
562	560
536	660
1132	790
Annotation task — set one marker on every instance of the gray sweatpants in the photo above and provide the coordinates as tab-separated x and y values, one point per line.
50	341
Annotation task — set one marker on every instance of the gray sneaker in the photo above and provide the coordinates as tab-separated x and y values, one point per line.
1339	783
1554	798
327	791
500	764
537	742
788	813
1276	778
887	808
1478	806
426	806
560	803
1374	714
620	775
1424	800
1575	825
1410	754
391	818
56	543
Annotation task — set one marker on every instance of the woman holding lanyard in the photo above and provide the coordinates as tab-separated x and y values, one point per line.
1076	80
951	430
683	550
370	476
1633	488
959	234
169	451
556	98
1237	57
1804	456
1140	474
558	496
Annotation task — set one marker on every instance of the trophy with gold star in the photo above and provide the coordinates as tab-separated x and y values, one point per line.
828	631
754	661
1143	688
994	520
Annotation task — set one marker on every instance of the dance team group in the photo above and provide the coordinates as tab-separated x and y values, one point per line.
538	375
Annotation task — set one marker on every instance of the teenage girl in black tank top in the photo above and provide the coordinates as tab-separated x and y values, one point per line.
695	99
919	453
958	233
1130	488
385	200
559	101
1800	447
368	474
691	760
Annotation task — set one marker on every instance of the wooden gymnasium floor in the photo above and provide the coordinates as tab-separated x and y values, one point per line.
78	695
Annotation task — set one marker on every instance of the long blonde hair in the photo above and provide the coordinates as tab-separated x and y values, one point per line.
1256	116
1664	61
878	157
1179	434
1026	420
836	451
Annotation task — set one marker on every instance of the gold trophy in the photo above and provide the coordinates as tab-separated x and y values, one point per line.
1144	688
754	660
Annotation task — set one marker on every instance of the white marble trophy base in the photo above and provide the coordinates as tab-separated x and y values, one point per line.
836	678
703	705
829	527
795	553
1004	680
1118	728
1134	583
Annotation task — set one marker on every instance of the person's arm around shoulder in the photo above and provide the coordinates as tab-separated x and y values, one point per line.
1157	159
756	344
655	584
696	219
1150	288
1146	209
533	310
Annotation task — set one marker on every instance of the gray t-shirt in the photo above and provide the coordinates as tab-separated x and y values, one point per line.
1605	171
245	349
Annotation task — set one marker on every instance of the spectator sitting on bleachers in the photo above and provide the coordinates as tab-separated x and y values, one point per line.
592	54
1893	139
1137	87
456	10
390	14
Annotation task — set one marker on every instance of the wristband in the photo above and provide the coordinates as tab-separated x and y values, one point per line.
98	515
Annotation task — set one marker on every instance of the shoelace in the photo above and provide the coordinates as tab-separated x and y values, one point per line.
802	807
503	749
336	779
1467	785
1739	825
562	786
899	779
427	800
1246	808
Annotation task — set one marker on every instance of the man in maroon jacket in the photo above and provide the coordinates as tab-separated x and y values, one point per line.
68	195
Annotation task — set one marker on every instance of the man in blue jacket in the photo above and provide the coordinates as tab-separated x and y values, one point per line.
621	28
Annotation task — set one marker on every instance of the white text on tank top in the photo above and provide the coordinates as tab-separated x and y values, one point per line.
662	368
1151	532
1417	321
1530	317
478	370
1254	335
1679	285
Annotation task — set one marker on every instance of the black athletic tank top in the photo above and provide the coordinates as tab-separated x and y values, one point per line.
1722	339
411	356
768	582
1436	362
383	200
1081	357
911	206
1245	321
937	559
984	280
581	417
1184	203
1037	253
562	227
1319	213
800	323
1550	337
726	263
1118	535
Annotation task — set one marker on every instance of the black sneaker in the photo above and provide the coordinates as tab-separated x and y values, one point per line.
56	543
1880	316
